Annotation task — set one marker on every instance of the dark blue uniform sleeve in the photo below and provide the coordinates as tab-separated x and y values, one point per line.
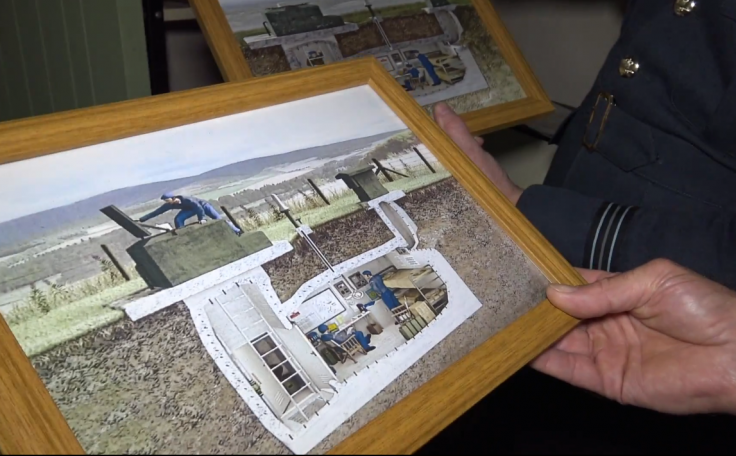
596	234
162	209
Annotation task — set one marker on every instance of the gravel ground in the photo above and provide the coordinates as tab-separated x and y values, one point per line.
503	86
398	30
269	60
289	271
339	240
150	387
492	266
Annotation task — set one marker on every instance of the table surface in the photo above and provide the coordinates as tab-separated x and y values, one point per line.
352	321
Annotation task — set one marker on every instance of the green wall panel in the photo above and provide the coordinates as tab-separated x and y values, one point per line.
106	54
14	70
56	46
57	55
133	35
78	55
5	112
34	56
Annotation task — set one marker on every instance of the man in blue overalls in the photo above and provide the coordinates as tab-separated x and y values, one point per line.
341	336
646	166
189	207
424	60
387	294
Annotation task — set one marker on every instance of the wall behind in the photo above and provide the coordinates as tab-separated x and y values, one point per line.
564	41
57	55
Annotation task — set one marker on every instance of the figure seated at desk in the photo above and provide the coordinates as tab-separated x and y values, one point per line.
341	336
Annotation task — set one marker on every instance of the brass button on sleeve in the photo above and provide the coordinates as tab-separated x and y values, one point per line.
628	67
684	7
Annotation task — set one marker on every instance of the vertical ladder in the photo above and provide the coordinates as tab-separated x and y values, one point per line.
248	306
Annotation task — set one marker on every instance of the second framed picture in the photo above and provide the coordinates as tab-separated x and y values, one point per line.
453	51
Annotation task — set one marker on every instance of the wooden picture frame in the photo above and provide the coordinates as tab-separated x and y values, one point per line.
234	66
31	422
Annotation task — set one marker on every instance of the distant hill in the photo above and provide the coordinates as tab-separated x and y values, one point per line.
24	229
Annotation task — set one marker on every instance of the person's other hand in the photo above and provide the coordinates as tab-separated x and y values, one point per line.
658	336
456	129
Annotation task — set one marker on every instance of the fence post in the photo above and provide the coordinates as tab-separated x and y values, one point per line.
424	160
284	209
319	192
116	263
385	170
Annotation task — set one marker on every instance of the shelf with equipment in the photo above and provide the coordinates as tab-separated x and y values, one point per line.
414	285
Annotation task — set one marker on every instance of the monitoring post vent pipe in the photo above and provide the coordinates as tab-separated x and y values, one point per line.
377	21
284	209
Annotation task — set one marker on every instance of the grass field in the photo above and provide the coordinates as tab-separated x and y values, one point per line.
246	33
73	320
49	320
347	203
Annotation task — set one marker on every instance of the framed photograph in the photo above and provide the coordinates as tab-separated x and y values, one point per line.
456	51
149	289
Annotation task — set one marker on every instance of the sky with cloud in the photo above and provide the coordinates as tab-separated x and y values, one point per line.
51	181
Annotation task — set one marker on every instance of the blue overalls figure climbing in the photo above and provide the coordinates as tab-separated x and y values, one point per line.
387	294
188	206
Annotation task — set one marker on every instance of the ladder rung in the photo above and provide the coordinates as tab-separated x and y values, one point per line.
269	352
259	338
251	326
246	310
300	390
290	377
280	364
299	404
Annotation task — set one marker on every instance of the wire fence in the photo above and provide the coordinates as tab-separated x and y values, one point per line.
409	163
78	265
312	194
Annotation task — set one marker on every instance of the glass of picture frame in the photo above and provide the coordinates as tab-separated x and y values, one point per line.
161	320
455	51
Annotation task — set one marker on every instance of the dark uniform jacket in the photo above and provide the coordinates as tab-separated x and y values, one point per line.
646	167
187	203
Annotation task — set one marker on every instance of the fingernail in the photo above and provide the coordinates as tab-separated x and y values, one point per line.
563	288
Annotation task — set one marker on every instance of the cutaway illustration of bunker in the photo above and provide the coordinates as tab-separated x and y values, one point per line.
305	360
171	257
